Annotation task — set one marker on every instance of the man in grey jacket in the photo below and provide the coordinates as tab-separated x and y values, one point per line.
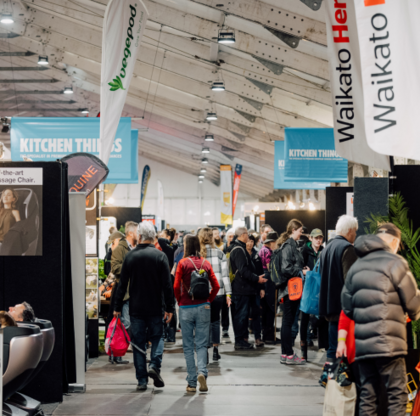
378	294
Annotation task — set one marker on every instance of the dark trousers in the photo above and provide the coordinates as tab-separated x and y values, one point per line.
332	341
322	333
242	306
268	316
225	317
290	308
304	324
143	329
392	372
216	308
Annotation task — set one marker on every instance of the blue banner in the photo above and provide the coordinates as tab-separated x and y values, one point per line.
144	181
51	138
310	156
279	182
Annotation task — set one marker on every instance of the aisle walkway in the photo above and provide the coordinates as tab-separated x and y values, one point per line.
250	383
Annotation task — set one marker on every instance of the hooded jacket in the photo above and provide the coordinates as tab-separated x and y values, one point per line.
309	256
378	292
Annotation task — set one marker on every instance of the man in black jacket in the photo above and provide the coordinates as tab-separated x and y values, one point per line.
146	269
378	294
245	287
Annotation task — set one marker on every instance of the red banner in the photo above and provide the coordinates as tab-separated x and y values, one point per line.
236	181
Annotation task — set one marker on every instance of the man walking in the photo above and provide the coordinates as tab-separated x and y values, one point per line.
379	291
246	285
146	272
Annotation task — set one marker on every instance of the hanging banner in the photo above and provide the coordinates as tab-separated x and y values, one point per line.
144	181
122	32
346	86
226	194
236	182
310	156
390	61
280	183
50	138
160	211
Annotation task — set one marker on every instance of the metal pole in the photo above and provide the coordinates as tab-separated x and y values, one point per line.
276	304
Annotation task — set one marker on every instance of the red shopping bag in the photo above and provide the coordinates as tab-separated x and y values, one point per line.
117	339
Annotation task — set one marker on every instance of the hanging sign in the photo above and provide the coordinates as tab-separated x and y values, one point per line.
122	32
390	61
51	138
310	155
226	194
160	211
280	182
144	181
236	182
346	86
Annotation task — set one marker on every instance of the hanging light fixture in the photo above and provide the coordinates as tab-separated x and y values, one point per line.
226	36
68	90
200	181
204	160
200	176
218	86
312	206
6	18
205	150
84	111
211	116
203	170
43	60
209	138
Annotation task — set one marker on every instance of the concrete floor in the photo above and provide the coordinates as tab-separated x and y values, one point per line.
250	383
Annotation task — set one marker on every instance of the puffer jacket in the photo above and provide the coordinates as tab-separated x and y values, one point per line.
378	292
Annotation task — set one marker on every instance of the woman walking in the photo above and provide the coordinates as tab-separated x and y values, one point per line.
218	262
291	266
194	314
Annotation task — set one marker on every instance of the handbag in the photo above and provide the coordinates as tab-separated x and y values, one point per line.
295	287
117	339
339	400
310	296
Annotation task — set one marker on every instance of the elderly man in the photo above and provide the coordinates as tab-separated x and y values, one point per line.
245	287
22	312
378	292
146	271
229	239
336	260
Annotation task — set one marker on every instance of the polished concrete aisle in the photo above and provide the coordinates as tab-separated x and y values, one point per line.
250	383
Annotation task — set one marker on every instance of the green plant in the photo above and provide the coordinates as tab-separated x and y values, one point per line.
122	229
116	84
101	270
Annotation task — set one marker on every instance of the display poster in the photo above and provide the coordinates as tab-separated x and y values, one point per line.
92	287
50	138
21	211
92	214
236	182
346	85
350	204
226	194
279	182
310	155
149	218
144	182
390	62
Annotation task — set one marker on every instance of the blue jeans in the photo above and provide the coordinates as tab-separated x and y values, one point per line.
196	318
125	314
142	330
332	340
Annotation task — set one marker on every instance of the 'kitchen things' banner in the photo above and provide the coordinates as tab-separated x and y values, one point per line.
48	139
310	156
279	182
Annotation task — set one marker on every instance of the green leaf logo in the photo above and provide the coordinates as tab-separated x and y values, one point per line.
116	84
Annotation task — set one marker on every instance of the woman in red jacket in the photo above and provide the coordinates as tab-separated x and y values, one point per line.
194	314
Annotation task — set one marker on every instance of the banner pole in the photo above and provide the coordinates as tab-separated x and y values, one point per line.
392	176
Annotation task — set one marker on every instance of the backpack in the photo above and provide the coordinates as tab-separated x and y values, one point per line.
231	274
310	297
274	268
117	339
200	283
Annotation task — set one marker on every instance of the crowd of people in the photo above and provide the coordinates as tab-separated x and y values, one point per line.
366	294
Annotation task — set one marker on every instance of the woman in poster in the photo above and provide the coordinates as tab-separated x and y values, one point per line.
9	215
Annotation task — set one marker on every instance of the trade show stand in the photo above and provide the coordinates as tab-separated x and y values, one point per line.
336	204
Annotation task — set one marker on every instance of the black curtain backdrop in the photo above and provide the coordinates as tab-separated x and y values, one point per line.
335	204
122	214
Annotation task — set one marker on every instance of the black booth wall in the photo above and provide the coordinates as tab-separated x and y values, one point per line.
310	219
122	214
335	204
45	282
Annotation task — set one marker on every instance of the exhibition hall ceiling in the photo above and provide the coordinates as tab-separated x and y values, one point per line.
275	76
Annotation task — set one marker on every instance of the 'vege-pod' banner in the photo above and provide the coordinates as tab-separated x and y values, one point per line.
123	28
226	194
346	85
236	182
144	181
50	138
280	183
390	62
310	155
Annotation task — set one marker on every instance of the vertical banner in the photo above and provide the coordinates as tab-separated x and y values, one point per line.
236	182
122	32
226	194
160	211
390	62
346	85
144	181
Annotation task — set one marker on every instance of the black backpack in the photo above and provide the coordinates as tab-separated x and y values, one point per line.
200	284
274	268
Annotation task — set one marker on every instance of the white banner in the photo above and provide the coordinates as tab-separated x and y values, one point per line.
226	194
346	86
390	59
123	28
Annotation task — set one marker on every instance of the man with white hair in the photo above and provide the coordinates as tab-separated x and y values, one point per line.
146	272
336	260
229	239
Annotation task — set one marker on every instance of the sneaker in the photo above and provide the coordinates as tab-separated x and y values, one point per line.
283	359
259	343
141	387
155	376
243	345
203	383
294	360
191	389
216	355
119	360
225	334
323	380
